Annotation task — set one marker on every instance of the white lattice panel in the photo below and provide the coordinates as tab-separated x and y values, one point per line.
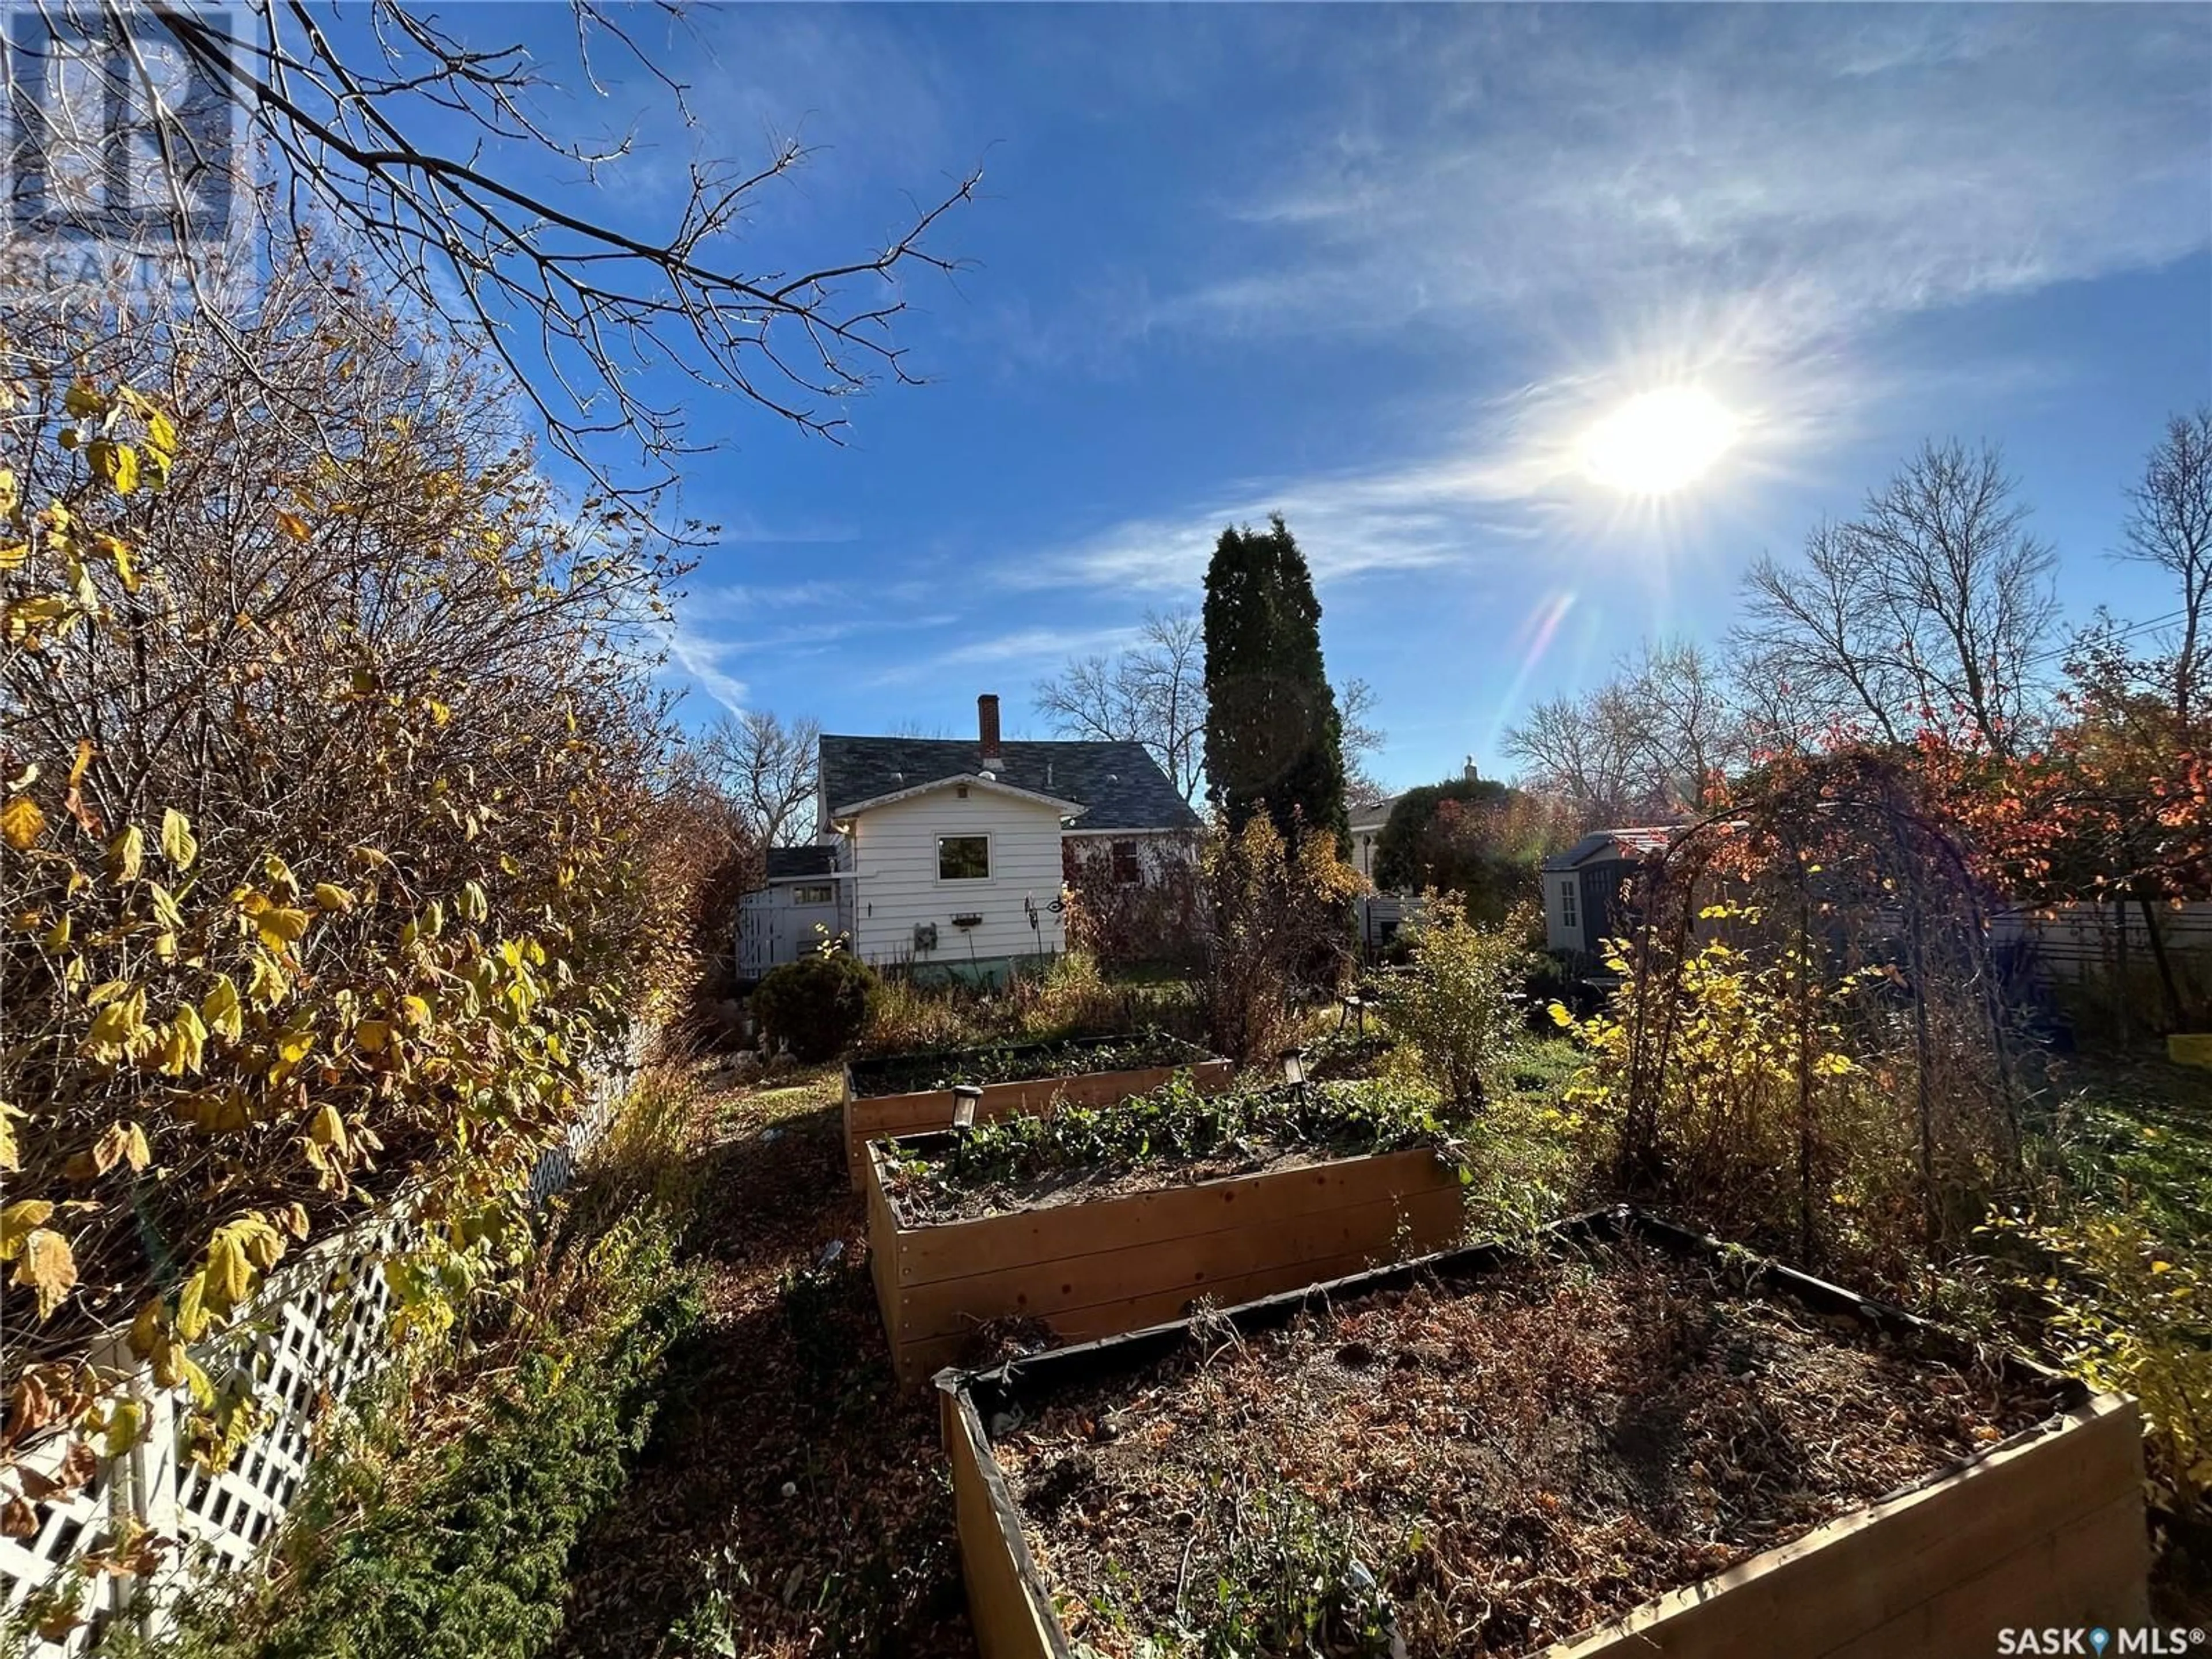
317	1334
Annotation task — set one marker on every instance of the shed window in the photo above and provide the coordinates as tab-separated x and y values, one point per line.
1127	871
820	893
1567	904
964	858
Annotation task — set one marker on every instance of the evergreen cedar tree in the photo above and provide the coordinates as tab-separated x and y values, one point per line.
1274	741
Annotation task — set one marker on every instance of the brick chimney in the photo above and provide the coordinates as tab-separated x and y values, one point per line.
986	729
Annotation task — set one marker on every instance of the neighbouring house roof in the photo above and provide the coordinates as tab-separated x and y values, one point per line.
1604	844
1120	785
1373	816
795	863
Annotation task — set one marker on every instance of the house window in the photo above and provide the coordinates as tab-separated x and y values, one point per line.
964	858
1567	905
819	894
1127	871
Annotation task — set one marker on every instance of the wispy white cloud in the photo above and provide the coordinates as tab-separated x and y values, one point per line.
706	663
1019	653
1837	165
1602	200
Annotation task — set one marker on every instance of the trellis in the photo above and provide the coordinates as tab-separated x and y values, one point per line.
318	1333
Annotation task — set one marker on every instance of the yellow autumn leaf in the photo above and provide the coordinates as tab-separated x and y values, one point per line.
56	938
292	525
229	1276
161	432
11	1156
279	926
137	1152
48	1268
220	1008
415	1011
295	1217
83	399
27	619
331	896
117	464
165	907
146	1330
17	1223
328	1129
21	822
107	1150
13	557
185	1044
373	1035
292	1045
192	1313
179	845
125	1423
127	854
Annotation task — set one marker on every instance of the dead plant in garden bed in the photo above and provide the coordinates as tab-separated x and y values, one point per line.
1173	1135
1478	1468
900	1074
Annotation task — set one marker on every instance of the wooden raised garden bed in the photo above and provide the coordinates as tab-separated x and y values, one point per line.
2040	1524
877	1106
1103	1266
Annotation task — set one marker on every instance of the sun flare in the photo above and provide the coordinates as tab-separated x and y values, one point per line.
1660	442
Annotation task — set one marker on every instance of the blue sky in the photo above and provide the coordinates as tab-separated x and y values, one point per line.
1381	269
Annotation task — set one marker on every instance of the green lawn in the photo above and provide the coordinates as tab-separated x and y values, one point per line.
2137	1133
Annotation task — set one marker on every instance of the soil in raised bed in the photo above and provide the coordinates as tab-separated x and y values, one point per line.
924	1201
1172	1136
902	1074
1481	1468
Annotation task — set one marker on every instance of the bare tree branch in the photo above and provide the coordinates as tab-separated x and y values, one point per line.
1152	692
578	310
770	770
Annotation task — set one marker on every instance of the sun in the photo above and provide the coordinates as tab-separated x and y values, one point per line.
1659	441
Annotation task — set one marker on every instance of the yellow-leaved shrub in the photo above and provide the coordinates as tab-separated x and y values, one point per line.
330	784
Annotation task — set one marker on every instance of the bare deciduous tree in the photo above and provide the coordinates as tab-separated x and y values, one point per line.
2169	525
1152	692
1363	743
414	144
770	770
1926	608
1646	743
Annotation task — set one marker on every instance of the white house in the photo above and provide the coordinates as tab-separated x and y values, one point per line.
1366	827
949	856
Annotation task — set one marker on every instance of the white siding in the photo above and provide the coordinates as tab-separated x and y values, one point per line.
895	851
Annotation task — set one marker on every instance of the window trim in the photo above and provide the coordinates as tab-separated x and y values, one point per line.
827	890
990	860
1569	907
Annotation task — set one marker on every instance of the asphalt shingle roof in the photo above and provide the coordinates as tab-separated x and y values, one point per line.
1120	782
785	862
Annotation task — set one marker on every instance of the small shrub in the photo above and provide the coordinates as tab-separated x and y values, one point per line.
2130	1313
818	1006
1460	1005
